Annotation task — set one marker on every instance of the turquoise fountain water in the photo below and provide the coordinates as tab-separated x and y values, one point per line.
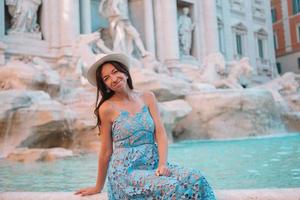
268	162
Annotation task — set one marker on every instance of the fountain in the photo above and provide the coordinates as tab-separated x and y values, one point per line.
47	105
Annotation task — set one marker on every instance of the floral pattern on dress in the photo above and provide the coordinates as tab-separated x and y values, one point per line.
131	171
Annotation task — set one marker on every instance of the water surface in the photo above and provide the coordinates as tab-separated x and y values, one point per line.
271	162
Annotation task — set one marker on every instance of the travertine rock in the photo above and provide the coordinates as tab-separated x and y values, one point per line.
33	119
165	87
34	75
230	113
292	121
32	155
171	112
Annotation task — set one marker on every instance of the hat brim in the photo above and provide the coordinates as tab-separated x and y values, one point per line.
119	57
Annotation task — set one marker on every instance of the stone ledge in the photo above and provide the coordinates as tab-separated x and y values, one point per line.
257	194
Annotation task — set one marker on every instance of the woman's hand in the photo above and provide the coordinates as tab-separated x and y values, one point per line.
88	191
162	170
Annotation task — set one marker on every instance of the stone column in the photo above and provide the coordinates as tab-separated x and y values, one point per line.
54	24
45	21
69	24
270	42
170	32
149	26
229	48
249	39
158	30
85	15
2	19
210	26
286	26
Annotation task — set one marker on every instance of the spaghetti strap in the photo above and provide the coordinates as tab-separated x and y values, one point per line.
120	110
112	105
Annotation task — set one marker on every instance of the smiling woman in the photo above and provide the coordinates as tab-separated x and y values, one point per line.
113	78
134	143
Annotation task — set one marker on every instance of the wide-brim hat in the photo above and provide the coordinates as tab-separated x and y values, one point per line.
102	58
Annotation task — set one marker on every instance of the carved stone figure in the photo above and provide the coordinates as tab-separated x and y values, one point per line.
24	15
212	69
123	32
185	29
83	54
285	85
239	68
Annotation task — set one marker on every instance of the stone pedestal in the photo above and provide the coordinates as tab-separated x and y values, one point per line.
24	35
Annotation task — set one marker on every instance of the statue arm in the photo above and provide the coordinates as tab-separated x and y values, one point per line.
179	25
11	2
90	37
101	6
100	44
115	6
193	26
18	6
38	2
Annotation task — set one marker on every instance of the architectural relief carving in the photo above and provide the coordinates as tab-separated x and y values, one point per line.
258	11
237	5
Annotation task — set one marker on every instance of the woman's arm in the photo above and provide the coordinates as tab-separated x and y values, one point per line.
106	146
160	134
104	154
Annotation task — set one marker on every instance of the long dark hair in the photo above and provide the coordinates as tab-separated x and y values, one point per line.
105	92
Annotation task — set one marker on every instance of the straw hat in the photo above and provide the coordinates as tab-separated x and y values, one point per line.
102	58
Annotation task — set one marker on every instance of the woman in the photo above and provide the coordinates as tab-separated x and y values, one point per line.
134	144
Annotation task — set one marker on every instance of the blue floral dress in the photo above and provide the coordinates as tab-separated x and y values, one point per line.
131	171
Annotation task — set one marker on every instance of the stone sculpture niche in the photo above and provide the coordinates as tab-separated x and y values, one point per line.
185	32
24	18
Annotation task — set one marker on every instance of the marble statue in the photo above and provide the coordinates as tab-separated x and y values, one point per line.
185	29
96	38
239	68
83	54
123	32
24	15
212	68
150	62
284	85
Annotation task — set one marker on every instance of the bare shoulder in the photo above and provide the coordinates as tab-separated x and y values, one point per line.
149	97
105	108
